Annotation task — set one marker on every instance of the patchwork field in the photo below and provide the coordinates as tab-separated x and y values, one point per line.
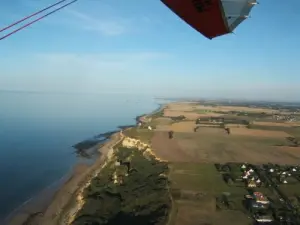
208	125
186	126
235	137
214	145
258	133
286	124
188	106
174	113
198	192
235	125
189	126
191	153
161	121
194	188
235	108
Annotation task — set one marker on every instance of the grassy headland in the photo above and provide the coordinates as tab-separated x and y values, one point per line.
131	192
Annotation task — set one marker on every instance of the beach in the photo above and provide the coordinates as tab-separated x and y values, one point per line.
63	202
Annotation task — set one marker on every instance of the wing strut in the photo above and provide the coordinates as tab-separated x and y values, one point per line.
36	20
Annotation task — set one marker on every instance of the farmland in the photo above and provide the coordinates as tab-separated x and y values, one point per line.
201	194
214	145
194	190
193	139
206	135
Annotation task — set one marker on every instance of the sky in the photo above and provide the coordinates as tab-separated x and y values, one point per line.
135	46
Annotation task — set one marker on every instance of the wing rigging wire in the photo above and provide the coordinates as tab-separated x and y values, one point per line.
32	15
36	20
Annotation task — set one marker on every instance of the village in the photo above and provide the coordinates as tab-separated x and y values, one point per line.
268	199
193	164
228	162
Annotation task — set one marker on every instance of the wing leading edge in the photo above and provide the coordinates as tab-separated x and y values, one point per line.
212	18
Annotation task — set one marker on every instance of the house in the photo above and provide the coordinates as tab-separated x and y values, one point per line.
257	207
263	218
251	183
260	198
257	202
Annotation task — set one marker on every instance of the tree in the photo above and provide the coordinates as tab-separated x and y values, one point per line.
171	133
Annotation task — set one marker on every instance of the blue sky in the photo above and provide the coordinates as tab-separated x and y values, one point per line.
141	46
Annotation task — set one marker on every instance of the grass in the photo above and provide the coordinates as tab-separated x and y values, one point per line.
157	114
205	179
291	189
275	128
161	121
195	167
215	139
199	177
173	213
144	135
202	111
195	178
293	131
142	198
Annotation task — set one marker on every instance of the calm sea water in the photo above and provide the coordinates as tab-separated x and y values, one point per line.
38	130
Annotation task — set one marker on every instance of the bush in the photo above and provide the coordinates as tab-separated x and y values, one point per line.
142	198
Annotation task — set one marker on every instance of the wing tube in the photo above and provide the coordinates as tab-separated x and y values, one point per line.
212	18
206	16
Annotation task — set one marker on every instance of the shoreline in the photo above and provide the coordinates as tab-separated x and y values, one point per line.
64	196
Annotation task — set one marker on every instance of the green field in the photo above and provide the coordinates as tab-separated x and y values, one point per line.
202	111
200	177
144	135
194	188
220	138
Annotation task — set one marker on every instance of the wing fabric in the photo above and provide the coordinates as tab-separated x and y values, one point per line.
212	18
236	11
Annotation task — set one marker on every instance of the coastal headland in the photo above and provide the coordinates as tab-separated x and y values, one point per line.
64	199
189	163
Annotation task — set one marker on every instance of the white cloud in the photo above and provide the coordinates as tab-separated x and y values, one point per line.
89	20
107	26
94	16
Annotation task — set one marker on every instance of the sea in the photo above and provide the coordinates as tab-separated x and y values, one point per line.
38	130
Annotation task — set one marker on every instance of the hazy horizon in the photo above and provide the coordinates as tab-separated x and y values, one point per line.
191	97
121	47
38	131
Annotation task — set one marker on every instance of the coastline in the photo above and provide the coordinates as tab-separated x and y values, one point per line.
65	200
158	109
64	197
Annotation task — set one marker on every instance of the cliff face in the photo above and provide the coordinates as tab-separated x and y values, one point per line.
131	189
145	148
133	143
